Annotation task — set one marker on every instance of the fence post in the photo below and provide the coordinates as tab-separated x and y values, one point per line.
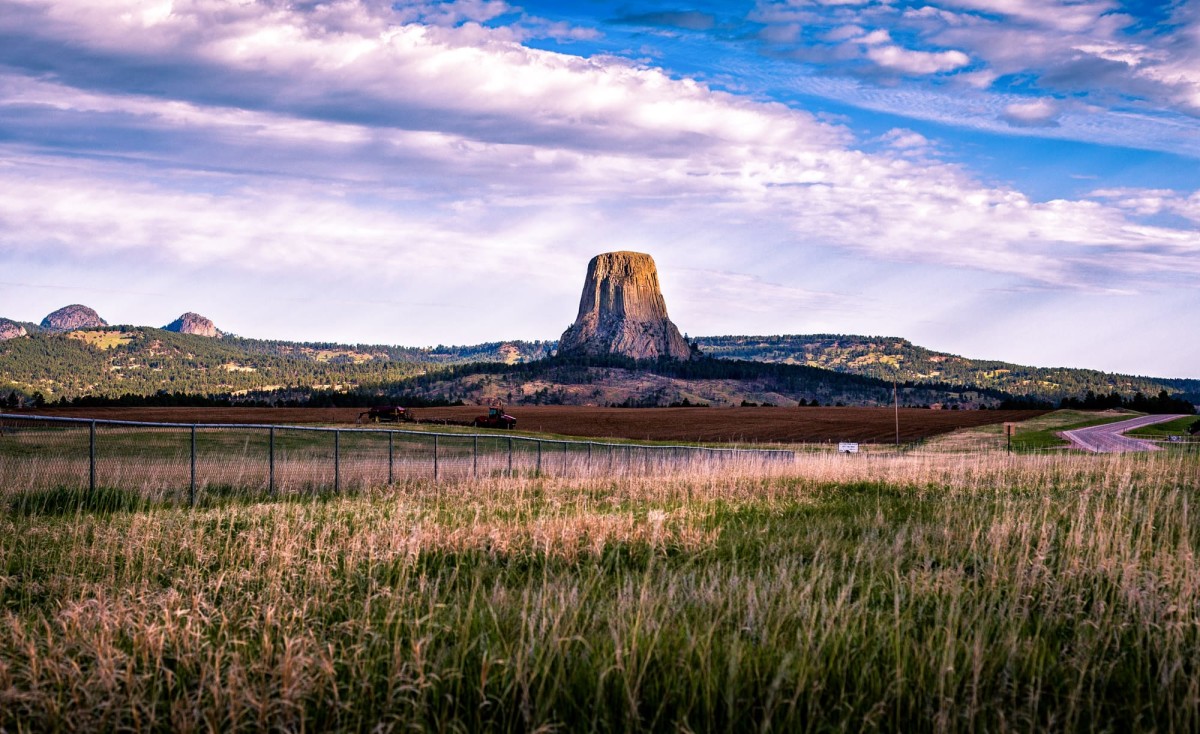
539	464
92	457
589	459
337	461
192	486
435	457
475	457
271	461
510	456
391	458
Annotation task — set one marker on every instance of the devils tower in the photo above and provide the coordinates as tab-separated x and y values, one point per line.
622	311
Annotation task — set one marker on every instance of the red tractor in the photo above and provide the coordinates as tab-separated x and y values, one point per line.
495	418
386	414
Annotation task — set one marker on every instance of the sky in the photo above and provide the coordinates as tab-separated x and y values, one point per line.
1003	179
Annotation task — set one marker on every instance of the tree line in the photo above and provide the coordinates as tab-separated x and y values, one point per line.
1163	403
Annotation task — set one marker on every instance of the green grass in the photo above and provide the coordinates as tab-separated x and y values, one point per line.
910	594
1041	433
1177	427
73	501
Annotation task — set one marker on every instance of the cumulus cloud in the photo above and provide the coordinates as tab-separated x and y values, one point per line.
1038	113
917	62
452	13
905	139
1148	202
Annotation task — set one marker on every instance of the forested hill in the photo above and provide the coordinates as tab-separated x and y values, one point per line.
109	362
510	352
119	360
888	357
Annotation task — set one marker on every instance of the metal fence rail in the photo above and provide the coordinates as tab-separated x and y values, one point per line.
166	460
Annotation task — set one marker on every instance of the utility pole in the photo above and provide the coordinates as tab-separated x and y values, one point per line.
896	407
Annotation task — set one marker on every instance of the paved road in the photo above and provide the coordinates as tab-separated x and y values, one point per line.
1107	438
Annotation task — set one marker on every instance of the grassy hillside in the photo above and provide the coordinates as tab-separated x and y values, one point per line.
885	357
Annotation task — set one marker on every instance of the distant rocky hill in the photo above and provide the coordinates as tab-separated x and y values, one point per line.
11	329
622	312
70	318
194	323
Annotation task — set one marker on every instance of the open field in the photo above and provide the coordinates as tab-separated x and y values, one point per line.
880	593
716	425
1177	427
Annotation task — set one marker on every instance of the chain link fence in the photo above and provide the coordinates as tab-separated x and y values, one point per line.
186	463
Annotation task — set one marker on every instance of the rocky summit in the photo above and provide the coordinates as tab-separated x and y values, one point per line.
194	323
10	329
622	311
70	318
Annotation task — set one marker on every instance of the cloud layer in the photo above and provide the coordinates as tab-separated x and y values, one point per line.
365	141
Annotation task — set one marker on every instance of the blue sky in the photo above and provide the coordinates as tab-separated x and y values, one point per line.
1009	179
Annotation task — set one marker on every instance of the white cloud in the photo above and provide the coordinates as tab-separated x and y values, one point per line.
905	139
917	62
1038	113
459	145
453	13
1086	49
1063	15
875	37
711	291
1149	202
845	33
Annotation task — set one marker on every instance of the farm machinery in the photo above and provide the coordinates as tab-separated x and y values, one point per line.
495	418
386	414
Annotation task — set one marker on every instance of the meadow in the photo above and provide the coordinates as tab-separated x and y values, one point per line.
909	592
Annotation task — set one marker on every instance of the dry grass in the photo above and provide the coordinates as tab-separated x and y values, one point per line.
910	593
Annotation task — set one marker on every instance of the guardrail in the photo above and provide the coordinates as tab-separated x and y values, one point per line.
46	452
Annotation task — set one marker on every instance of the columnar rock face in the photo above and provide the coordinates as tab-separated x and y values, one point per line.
194	323
622	311
10	330
70	318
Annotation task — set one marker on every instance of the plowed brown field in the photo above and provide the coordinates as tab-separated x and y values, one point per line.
756	425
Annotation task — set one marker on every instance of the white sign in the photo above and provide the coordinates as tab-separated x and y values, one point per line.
847	448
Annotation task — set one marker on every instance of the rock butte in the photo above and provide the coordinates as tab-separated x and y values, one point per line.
10	329
622	311
194	323
75	316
